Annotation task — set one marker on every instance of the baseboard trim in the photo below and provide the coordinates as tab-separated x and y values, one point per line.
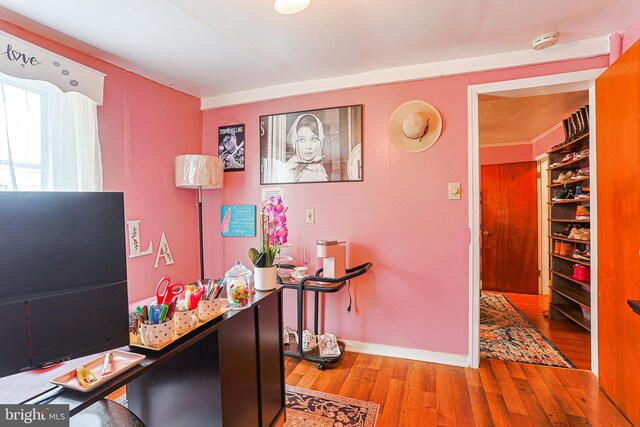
407	353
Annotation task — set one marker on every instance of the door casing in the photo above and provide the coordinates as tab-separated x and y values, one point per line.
555	83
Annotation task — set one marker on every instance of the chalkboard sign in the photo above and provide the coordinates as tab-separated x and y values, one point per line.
238	220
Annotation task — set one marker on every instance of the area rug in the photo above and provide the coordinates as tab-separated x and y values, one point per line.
310	408
506	334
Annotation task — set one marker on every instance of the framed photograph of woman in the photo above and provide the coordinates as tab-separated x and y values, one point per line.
231	147
312	146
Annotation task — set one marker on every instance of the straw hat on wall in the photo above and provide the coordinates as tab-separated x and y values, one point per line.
415	126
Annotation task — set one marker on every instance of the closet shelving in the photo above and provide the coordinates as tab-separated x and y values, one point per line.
570	294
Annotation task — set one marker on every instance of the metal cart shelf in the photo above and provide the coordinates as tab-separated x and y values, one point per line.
317	284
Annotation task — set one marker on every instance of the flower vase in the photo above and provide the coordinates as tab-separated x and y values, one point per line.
264	278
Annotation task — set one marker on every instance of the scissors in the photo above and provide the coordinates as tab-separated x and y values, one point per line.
170	290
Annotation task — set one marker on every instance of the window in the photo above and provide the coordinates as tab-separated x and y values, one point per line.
20	138
48	139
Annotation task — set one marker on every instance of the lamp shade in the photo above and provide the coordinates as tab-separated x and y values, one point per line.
199	171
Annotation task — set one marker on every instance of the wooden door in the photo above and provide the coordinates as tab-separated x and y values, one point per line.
509	227
617	161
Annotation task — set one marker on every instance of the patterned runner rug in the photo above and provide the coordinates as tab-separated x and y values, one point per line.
310	408
505	334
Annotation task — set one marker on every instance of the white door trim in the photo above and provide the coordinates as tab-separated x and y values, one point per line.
580	80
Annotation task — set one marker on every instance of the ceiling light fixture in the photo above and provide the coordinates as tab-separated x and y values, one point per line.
289	7
544	41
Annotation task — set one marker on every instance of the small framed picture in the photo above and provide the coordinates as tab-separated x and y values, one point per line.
322	145
231	147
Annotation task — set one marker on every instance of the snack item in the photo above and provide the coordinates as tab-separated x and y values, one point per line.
85	377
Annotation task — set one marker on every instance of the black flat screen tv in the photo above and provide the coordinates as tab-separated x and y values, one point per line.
63	277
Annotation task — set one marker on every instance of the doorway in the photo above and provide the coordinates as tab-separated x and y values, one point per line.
527	87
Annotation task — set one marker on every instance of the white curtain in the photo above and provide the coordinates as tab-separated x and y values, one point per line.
47	137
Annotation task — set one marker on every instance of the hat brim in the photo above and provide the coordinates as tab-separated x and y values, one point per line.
403	142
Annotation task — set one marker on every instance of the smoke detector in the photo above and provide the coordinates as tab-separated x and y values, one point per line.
544	41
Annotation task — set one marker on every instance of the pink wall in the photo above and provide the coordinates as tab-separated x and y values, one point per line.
544	144
630	36
505	154
417	294
143	126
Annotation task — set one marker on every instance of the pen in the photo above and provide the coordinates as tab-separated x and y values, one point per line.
163	313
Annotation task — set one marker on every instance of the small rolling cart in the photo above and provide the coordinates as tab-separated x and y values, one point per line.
316	284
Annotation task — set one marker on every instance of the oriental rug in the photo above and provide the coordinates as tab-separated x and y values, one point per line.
310	408
506	334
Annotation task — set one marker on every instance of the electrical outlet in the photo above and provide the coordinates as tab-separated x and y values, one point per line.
454	191
311	216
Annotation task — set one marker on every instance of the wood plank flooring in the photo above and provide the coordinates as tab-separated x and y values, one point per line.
412	393
572	340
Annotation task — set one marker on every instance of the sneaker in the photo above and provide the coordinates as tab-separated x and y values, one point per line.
563	195
583	234
584	193
585	255
575	231
582	212
581	154
568	158
581	173
564	177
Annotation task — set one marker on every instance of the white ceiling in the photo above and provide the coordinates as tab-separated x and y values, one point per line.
522	120
212	48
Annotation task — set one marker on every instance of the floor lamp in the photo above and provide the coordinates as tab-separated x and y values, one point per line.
199	172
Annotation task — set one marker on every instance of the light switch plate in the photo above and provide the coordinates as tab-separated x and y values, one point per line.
454	191
311	216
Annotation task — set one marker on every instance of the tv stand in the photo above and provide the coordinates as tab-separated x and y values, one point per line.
228	372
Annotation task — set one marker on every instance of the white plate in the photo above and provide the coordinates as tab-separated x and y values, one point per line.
122	361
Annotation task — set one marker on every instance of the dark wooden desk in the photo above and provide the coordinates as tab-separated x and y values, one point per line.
229	371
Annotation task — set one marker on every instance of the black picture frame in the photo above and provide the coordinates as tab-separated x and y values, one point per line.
231	147
312	146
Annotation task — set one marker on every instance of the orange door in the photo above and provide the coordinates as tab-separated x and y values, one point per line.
618	160
509	227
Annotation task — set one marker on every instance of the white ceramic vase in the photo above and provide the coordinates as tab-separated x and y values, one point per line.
264	278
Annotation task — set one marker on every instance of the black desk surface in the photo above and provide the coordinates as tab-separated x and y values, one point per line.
20	387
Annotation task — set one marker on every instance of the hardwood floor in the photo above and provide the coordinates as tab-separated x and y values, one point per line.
412	393
572	340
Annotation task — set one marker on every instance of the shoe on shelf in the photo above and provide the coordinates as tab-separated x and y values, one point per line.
581	173
564	177
568	158
583	234
584	255
564	233
575	272
582	192
556	247
583	273
566	248
575	232
563	195
583	212
581	154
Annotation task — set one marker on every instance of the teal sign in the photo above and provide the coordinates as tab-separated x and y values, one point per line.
238	220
